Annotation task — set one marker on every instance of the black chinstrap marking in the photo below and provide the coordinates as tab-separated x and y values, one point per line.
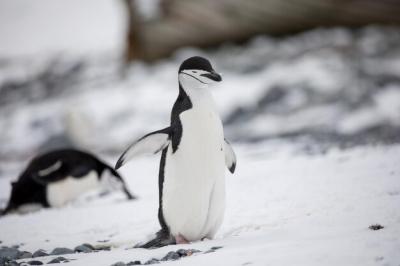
193	77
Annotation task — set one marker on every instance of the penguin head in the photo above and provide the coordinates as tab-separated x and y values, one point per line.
198	71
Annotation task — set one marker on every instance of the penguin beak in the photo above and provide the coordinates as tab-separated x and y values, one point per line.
213	76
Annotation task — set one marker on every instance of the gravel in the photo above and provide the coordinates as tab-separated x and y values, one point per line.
152	261
58	260
39	253
102	248
25	255
120	263
172	255
35	262
61	251
136	262
85	248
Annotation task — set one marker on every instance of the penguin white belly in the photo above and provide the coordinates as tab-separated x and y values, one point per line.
194	189
61	192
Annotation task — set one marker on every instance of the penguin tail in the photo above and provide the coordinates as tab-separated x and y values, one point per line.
163	238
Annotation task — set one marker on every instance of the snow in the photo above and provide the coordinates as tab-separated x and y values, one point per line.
283	206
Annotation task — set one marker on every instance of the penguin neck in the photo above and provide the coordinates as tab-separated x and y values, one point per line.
198	93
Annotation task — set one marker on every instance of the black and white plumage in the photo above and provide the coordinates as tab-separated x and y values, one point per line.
58	177
193	160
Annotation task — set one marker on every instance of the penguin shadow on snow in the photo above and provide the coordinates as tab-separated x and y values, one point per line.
56	178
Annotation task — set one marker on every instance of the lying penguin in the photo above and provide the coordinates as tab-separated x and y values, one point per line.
193	161
56	178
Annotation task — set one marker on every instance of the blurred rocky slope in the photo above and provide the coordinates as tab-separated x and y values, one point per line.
326	87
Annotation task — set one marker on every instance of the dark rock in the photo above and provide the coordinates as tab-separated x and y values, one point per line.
107	248
216	247
182	252
120	263
187	252
58	260
152	261
39	253
61	251
85	248
24	255
376	227
35	262
172	255
9	253
136	262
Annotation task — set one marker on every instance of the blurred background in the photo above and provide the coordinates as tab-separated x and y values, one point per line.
97	74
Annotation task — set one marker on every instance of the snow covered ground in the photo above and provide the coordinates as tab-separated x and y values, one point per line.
284	207
314	119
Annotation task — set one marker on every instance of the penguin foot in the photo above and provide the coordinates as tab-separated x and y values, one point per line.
179	239
163	238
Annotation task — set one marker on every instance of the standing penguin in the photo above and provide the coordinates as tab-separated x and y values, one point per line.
193	160
58	177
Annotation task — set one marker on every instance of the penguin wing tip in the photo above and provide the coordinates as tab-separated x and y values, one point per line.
119	163
232	168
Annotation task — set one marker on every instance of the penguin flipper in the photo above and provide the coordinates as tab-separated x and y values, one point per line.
149	144
230	157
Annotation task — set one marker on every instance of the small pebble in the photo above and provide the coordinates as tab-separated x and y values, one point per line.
102	248
136	262
152	261
24	255
172	255
376	227
39	253
58	260
85	248
120	263
35	262
181	252
61	251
